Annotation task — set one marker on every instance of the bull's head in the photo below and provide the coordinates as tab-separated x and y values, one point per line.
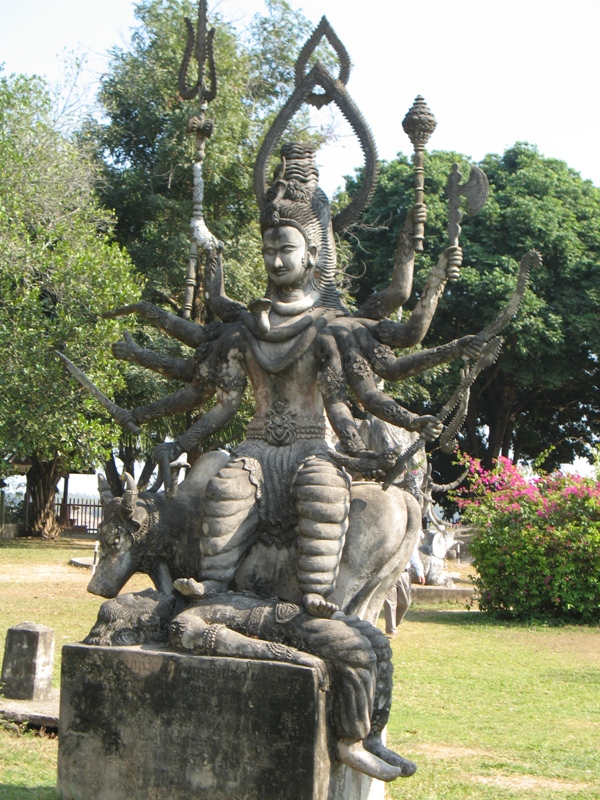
122	535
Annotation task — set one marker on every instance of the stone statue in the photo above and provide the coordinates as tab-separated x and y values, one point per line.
287	514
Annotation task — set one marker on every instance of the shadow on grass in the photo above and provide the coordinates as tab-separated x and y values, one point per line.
450	617
480	619
27	793
31	543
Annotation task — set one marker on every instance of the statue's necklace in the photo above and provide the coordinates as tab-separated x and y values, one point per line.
296	306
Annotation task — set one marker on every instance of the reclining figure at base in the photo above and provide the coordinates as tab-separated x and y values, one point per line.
357	657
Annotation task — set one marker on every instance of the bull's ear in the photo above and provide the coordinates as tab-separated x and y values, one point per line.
104	488
130	495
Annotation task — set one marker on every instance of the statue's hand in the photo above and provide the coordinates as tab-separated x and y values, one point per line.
378	463
163	454
124	349
124	417
417	215
428	427
452	260
145	309
308	660
470	346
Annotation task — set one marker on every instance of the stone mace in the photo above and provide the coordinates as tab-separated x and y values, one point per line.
419	124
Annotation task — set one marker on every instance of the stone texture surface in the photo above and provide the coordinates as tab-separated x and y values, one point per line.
142	723
9	531
39	713
28	662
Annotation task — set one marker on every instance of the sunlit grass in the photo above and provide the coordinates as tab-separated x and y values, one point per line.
489	711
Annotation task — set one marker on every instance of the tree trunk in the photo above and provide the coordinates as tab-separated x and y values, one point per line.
500	400
113	477
42	480
64	506
146	474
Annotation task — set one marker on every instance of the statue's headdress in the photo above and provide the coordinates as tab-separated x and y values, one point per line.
295	199
294	196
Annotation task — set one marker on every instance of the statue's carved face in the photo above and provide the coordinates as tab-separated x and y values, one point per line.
286	256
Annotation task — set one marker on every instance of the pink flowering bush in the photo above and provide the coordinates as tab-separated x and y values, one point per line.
537	542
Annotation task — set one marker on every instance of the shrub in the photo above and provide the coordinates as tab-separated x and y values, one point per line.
537	542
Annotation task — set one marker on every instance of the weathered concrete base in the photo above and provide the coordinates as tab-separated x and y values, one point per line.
28	662
9	530
39	713
148	723
442	594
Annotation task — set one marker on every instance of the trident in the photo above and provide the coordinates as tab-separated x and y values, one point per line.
200	44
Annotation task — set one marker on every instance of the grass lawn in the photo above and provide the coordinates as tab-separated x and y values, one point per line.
488	711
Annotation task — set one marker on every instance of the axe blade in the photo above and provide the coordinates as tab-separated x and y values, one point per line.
475	190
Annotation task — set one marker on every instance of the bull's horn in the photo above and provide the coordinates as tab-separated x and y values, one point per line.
104	489
130	495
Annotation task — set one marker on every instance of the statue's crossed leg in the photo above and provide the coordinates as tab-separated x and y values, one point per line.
230	521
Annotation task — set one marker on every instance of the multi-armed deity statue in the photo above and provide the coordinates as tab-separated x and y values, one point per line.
284	548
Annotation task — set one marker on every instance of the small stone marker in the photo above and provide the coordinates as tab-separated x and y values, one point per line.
28	662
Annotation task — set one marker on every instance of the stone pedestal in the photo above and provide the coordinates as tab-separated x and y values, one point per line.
28	662
148	723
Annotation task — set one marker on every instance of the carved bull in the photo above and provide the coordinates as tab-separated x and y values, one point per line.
152	533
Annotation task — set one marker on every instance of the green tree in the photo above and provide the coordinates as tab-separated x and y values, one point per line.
58	267
540	400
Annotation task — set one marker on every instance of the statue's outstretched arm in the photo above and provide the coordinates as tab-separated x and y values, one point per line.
181	369
381	304
181	329
393	368
185	399
363	382
412	332
223	306
230	381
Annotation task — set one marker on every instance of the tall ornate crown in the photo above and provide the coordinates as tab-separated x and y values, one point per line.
294	196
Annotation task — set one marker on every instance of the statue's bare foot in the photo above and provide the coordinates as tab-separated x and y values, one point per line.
354	755
374	745
317	606
188	587
186	632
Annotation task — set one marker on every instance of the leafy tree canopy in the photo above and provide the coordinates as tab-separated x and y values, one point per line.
58	267
540	400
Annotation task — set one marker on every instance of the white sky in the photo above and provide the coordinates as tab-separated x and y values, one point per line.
492	72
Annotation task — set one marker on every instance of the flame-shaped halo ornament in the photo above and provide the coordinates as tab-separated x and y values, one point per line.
334	90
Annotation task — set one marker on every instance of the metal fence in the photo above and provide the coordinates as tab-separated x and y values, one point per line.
79	513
